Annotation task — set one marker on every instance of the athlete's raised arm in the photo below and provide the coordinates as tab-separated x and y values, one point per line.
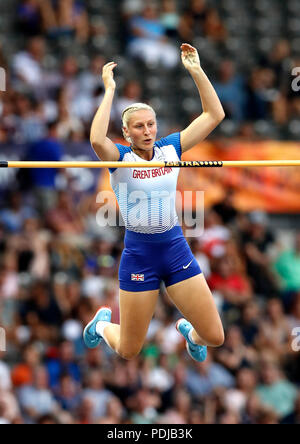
105	149
213	112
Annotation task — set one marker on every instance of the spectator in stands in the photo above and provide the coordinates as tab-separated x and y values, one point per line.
249	322
63	218
255	242
213	26
235	354
287	266
275	391
5	375
261	94
131	7
30	125
9	118
204	378
90	86
89	79
293	418
280	62
29	18
13	216
229	417
294	317
114	412
27	65
9	284
274	332
235	289
215	236
158	376
170	18
193	20
294	108
43	180
37	399
69	126
67	394
230	89
41	309
97	394
123	379
4	136
144	405
235	399
55	17
3	415
32	248
225	208
180	410
9	408
69	78
201	257
15	213
23	373
3	60
63	362
132	93
148	40
247	132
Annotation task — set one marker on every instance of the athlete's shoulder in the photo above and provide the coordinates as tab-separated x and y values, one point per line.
123	149
171	140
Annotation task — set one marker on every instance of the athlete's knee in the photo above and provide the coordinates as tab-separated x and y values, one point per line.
128	353
216	337
213	338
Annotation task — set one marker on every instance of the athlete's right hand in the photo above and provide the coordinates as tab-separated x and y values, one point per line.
108	75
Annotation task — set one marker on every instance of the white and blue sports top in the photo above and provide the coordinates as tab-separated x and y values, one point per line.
147	196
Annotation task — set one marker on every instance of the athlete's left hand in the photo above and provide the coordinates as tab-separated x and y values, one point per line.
190	57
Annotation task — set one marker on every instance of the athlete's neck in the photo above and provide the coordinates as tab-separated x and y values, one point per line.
144	154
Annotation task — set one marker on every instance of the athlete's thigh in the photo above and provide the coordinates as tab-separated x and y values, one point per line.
194	300
136	312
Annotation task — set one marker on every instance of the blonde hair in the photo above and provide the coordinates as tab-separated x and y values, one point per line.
126	114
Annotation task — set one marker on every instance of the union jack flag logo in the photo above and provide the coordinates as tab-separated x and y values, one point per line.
137	277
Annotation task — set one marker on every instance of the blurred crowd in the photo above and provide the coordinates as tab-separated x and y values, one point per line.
54	73
58	264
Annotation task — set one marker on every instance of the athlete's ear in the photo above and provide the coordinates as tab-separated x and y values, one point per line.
126	134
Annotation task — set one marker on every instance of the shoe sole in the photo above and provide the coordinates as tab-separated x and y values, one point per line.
90	323
177	325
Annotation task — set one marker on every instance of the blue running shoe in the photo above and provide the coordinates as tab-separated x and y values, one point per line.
90	336
196	352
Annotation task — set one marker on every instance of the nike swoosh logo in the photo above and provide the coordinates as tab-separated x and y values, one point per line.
187	266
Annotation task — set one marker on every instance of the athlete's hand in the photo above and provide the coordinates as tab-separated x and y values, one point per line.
190	57
108	75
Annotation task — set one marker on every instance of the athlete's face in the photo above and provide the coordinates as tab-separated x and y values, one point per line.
142	129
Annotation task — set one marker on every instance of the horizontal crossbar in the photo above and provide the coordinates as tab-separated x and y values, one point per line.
179	164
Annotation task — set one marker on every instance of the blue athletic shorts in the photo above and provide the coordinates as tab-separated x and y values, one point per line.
148	259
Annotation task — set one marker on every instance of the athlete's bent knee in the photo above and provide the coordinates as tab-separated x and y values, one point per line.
216	338
128	354
213	338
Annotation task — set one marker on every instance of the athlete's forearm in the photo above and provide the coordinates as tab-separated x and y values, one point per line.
209	99
101	120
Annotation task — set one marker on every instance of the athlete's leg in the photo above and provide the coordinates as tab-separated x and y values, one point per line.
136	312
194	300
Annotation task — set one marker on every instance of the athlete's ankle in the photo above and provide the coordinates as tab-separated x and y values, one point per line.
194	338
100	326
